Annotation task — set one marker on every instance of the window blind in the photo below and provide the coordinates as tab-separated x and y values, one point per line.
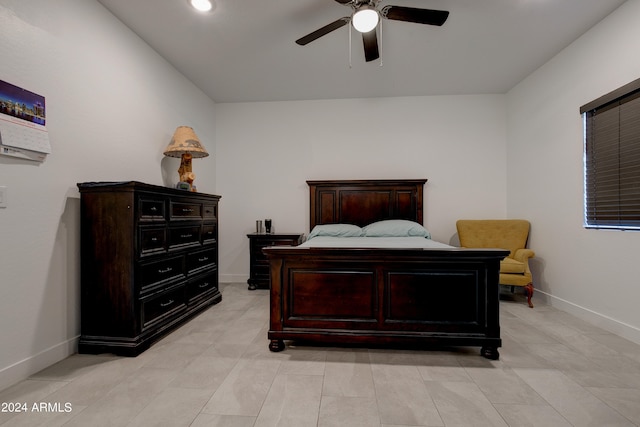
612	159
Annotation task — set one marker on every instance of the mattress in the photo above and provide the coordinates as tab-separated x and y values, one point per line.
412	242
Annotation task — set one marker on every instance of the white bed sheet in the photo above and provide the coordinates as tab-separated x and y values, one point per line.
374	242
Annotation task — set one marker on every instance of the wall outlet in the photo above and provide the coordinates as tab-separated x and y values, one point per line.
3	197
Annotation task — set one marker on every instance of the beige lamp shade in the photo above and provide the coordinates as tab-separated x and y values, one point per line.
185	145
185	141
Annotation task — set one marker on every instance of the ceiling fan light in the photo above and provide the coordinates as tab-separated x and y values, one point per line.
365	19
201	5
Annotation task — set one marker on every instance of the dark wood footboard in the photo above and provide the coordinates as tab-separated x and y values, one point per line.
423	297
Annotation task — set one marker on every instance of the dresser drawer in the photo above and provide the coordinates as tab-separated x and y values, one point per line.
155	273
151	209
209	232
200	286
152	240
200	260
186	210
184	236
158	307
210	211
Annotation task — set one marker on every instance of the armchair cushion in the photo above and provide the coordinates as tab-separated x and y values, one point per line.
510	265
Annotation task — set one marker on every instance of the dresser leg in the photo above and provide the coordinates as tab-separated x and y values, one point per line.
276	345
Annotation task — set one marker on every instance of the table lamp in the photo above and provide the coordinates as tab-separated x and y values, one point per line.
186	145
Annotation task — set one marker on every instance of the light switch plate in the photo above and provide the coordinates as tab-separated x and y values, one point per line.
3	197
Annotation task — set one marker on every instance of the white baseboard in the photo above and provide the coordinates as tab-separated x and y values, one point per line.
607	323
25	368
233	278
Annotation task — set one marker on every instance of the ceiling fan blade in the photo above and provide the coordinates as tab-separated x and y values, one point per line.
412	14
370	41
323	31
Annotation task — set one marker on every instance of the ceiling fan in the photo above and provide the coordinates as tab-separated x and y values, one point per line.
365	17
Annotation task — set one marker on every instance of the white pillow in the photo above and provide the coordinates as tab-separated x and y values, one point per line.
395	228
335	230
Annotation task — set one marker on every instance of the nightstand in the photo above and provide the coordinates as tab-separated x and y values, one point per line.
259	264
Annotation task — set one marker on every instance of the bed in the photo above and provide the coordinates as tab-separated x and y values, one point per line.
366	295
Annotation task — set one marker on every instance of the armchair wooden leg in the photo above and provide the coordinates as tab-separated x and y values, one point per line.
529	291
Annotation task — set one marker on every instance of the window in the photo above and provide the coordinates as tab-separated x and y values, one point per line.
612	159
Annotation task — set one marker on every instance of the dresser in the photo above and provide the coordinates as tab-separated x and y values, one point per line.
259	264
149	262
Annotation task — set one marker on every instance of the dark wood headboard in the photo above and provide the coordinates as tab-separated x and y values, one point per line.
362	202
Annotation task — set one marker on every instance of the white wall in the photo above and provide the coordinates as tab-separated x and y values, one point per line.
591	273
266	152
112	106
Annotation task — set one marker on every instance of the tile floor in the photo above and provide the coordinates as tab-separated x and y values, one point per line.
554	370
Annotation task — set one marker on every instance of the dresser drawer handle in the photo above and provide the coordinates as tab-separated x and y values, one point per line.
166	270
204	285
186	236
154	239
153	209
203	259
167	304
187	210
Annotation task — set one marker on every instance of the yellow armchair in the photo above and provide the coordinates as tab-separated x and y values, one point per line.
510	234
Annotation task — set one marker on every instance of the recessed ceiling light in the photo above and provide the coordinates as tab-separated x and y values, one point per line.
201	5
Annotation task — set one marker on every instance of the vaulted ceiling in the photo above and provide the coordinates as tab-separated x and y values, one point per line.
245	50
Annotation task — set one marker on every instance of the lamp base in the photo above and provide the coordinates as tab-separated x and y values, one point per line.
183	186
185	171
185	166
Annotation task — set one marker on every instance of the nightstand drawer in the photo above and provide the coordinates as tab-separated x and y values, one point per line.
264	242
261	271
154	309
